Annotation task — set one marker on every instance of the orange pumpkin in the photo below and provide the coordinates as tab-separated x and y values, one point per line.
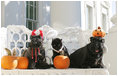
61	62
22	62
9	62
98	32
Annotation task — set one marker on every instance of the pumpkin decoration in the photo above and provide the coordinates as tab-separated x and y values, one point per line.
61	62
22	62
8	61
98	32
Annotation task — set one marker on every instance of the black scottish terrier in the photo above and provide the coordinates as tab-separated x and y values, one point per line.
36	54
58	48
89	56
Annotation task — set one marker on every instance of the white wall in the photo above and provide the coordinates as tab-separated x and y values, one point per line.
73	13
64	14
15	13
44	13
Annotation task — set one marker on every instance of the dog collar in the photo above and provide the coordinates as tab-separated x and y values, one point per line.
59	51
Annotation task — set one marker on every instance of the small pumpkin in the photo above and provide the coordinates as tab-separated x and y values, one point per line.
61	62
22	62
8	61
98	32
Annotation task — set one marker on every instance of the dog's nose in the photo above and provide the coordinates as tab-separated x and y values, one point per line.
96	51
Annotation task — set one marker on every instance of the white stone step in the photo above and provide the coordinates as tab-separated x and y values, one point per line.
55	72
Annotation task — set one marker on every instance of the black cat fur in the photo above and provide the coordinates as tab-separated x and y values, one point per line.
36	42
89	56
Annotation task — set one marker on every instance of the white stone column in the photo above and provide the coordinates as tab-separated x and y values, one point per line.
111	42
98	8
83	24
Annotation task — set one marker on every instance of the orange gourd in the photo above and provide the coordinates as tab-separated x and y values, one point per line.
98	32
9	62
22	62
61	62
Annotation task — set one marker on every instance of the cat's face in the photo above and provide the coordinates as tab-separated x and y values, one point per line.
57	43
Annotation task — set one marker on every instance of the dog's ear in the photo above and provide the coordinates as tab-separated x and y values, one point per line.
91	39
103	40
39	37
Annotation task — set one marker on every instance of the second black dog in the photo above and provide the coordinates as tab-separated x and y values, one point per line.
89	56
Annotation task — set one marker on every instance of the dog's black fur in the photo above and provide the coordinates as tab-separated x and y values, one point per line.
89	56
57	44
36	42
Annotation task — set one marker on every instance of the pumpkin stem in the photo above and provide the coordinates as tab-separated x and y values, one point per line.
14	52
99	27
8	51
22	55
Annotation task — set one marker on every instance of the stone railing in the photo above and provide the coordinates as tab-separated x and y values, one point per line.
73	38
17	36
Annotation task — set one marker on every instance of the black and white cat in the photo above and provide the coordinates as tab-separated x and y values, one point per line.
58	48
